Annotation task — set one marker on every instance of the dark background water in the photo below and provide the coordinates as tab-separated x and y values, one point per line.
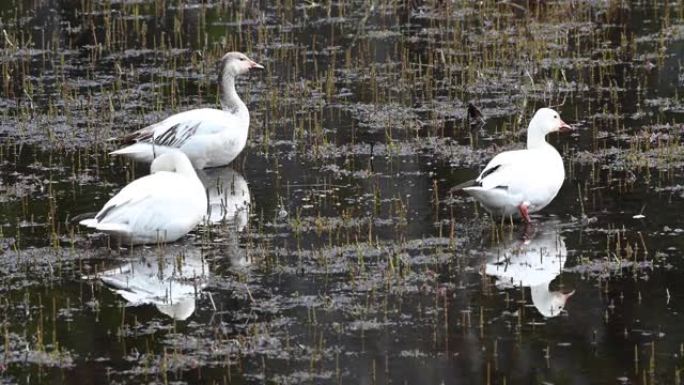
355	264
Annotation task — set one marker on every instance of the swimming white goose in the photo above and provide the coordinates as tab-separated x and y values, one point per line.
209	137
517	183
160	207
532	263
171	282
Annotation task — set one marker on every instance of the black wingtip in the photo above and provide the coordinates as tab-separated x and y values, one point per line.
463	185
76	219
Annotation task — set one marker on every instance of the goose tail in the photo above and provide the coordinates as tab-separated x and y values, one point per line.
463	186
141	152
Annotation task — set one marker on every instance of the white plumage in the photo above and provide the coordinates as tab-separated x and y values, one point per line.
209	137
516	183
160	207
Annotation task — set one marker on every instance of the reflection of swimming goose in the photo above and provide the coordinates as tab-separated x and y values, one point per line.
229	197
534	263
522	181
170	281
160	207
208	136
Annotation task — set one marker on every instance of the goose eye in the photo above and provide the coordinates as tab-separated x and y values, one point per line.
555	116
242	59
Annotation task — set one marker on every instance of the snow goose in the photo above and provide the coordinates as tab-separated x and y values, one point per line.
209	137
160	207
170	281
517	183
532	263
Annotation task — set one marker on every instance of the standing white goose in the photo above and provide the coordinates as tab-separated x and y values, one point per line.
208	136
523	181
160	207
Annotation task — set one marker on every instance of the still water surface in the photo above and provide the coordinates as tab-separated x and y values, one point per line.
336	253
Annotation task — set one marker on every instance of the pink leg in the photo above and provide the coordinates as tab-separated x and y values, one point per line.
524	214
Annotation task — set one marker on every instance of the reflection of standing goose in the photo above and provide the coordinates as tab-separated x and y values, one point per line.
228	195
169	278
229	204
534	263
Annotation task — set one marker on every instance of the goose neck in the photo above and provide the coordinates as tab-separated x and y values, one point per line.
230	100
536	138
183	166
187	170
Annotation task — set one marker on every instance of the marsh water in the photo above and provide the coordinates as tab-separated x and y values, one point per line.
335	252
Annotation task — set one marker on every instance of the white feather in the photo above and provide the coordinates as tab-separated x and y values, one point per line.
160	207
530	177
208	136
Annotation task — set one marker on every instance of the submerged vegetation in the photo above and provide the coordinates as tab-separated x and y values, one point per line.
336	254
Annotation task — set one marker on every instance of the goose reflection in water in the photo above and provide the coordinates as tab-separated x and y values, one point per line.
170	278
229	202
228	197
533	261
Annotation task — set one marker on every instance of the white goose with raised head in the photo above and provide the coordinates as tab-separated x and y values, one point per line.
209	137
517	183
160	207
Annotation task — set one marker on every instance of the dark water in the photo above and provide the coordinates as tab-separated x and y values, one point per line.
342	257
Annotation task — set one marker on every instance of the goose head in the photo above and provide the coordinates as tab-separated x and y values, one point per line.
544	121
172	161
237	63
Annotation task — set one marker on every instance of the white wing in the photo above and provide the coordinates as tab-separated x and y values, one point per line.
177	129
504	170
146	206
